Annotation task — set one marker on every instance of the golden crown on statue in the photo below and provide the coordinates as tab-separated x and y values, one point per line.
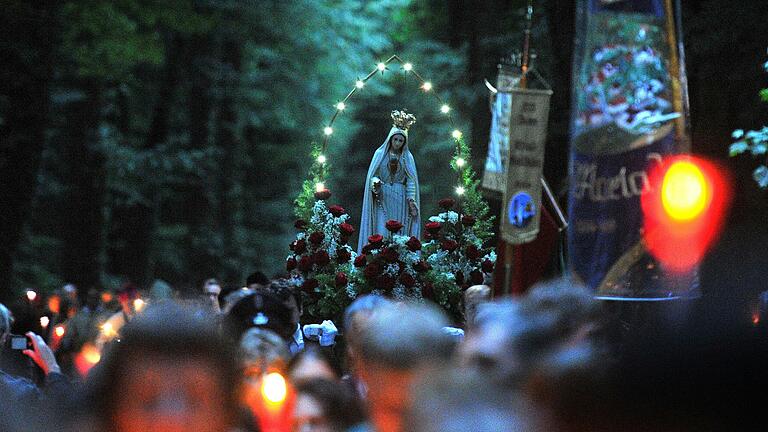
402	120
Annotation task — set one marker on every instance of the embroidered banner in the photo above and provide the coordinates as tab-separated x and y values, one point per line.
494	176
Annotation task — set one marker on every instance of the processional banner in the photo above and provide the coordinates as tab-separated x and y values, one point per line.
494	176
629	112
527	137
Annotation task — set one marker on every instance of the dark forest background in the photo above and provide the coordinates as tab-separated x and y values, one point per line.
149	140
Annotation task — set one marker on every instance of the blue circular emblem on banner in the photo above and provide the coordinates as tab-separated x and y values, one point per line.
521	210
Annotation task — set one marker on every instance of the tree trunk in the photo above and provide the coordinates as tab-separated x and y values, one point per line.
29	33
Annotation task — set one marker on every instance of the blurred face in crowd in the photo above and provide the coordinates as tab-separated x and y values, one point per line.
485	349
54	303
397	141
168	393
388	395
308	416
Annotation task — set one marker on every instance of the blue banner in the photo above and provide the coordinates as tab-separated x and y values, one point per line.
629	112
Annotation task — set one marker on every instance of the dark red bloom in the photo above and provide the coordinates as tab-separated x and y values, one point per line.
316	237
476	277
309	286
299	246
375	240
321	258
385	282
468	220
322	195
459	278
422	266
305	264
367	249
407	280
427	290
449	245
336	210
433	227
300	224
343	256
360	261
413	244
290	264
390	255
428	236
341	280
487	266
472	252
447	203
346	229
372	270
393	226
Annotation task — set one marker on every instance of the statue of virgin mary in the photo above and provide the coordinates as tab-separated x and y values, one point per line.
392	185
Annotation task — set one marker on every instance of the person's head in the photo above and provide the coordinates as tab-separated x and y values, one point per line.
474	296
310	364
261	309
399	343
171	371
289	295
356	316
256	280
325	406
233	297
262	351
397	141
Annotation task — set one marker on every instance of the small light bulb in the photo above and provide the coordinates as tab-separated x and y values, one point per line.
408	67
106	329
359	84
319	187
44	321
445	109
59	331
328	130
321	159
31	295
456	134
340	106
274	388
460	162
138	305
427	86
381	67
460	190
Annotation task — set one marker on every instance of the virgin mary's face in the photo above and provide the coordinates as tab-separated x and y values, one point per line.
397	142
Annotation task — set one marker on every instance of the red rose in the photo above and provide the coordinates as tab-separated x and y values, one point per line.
316	238
447	203
309	286
472	252
407	280
367	249
360	261
346	229
341	280
428	236
459	278
300	224
390	254
385	282
372	270
487	266
427	290
468	220
322	195
421	266
321	258
336	210
449	245
291	264
433	227
476	277
375	240
305	264
343	256
413	244
393	226
298	246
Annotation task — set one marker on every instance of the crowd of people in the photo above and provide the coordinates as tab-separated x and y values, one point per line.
245	359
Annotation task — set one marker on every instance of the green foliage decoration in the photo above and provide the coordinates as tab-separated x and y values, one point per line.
754	142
